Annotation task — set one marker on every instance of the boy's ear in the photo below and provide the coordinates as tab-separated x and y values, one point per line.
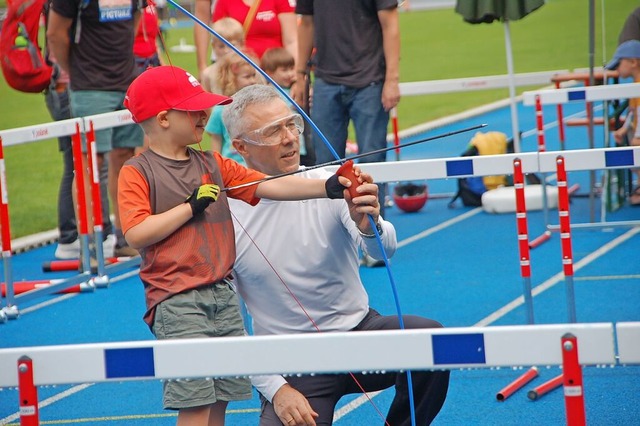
162	119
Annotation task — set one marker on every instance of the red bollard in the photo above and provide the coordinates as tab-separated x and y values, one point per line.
28	393
518	383
545	388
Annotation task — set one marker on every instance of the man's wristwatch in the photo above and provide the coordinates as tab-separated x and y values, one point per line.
372	235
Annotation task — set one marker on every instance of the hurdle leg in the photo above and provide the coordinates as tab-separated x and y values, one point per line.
565	236
11	310
560	121
101	280
543	182
28	393
523	236
81	201
572	381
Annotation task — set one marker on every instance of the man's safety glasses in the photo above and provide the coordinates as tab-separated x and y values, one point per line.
274	133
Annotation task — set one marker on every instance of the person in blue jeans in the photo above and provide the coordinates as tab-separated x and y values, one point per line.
57	100
356	70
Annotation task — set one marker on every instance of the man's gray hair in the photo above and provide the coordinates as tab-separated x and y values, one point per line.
233	114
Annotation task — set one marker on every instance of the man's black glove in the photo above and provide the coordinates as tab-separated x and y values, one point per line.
202	197
334	188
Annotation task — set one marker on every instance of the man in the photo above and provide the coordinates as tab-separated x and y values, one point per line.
356	67
93	42
297	271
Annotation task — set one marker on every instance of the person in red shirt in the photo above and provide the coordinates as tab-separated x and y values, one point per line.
145	46
274	24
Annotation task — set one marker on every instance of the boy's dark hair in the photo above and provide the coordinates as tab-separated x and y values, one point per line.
276	57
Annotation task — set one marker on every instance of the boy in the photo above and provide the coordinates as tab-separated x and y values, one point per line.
187	241
278	63
627	61
231	30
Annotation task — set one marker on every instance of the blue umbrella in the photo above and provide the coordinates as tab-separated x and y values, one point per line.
487	11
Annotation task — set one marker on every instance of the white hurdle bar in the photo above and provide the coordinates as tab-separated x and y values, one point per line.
415	88
582	94
56	129
366	351
486	165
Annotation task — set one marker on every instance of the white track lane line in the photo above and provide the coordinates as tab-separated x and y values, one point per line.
558	277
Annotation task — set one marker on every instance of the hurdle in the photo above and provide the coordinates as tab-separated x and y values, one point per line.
366	351
75	128
589	94
531	162
31	133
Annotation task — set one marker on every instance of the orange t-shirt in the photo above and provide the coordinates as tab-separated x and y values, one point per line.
200	252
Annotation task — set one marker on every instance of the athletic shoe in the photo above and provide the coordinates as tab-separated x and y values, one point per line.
68	251
108	246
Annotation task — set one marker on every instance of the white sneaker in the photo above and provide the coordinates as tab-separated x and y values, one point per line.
108	246
68	251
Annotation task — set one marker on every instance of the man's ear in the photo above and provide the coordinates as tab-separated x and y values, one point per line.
240	146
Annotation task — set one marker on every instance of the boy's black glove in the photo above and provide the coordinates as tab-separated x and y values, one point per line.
334	188
202	197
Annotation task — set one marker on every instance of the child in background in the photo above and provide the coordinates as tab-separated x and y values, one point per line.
278	63
146	46
232	74
626	60
231	30
186	242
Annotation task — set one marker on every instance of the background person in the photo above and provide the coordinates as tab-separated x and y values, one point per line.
146	46
232	74
320	271
356	70
97	53
626	60
266	23
279	64
230	30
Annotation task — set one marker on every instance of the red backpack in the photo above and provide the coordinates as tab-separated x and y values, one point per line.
22	63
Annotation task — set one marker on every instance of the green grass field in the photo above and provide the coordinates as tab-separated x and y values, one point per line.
436	44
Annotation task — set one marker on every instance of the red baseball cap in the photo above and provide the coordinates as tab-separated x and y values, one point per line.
167	87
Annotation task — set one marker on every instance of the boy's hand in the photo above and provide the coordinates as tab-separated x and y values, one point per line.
202	196
335	188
